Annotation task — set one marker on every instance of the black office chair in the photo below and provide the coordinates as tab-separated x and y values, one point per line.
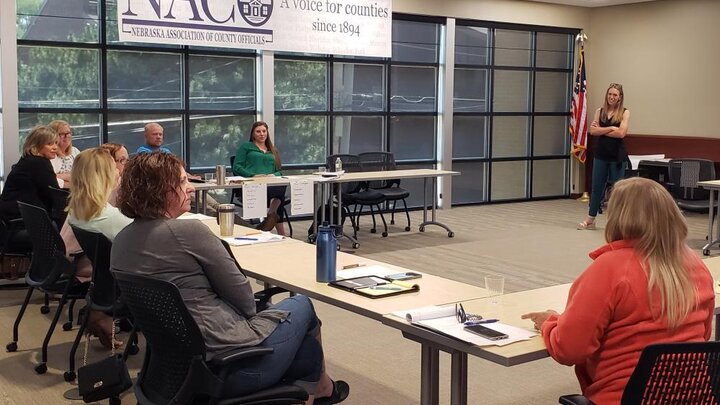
358	194
50	272
385	161
103	294
670	373
177	368
60	201
236	198
684	175
16	246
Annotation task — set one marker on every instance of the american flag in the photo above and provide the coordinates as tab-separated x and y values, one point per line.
578	112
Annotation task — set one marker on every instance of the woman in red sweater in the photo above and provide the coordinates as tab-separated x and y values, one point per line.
645	286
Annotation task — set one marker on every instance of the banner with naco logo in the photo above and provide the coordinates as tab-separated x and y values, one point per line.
343	27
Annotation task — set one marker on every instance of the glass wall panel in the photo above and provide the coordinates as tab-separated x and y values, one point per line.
552	91
300	85
111	31
471	90
469	137
472	45
510	136
413	88
509	180
511	91
513	48
218	82
57	20
358	87
301	138
549	178
85	127
551	136
52	77
412	137
358	134
144	80
471	185
214	138
554	50
415	41
128	129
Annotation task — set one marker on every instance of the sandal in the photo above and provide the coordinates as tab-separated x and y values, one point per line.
340	392
585	225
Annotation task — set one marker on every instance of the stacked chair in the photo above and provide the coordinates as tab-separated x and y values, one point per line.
50	272
385	161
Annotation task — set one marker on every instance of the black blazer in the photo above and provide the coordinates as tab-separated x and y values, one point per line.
28	182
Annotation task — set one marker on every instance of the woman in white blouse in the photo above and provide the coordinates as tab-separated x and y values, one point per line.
66	152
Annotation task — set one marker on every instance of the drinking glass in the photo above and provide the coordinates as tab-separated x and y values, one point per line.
210	176
495	285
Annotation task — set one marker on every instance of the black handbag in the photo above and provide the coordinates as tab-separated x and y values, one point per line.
104	379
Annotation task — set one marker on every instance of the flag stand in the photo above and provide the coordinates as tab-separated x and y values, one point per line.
585	197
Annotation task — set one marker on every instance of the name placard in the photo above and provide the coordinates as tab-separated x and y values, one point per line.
342	27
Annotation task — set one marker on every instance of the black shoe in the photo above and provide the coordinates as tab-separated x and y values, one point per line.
341	390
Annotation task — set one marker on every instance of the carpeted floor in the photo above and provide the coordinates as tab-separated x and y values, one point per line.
532	244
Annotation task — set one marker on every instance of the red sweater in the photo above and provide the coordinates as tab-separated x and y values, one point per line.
608	321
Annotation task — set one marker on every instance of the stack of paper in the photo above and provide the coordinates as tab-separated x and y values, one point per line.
444	321
253	239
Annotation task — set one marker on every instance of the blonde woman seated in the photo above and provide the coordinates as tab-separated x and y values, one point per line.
94	177
645	286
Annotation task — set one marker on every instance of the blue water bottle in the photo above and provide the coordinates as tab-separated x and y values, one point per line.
326	245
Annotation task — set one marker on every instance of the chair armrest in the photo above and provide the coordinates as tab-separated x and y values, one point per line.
575	399
262	298
225	358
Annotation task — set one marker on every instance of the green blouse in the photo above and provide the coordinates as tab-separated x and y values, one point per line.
250	161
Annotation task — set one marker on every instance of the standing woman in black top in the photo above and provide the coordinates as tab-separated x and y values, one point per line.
30	177
610	125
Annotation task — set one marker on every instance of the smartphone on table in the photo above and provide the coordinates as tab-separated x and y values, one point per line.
487	333
403	276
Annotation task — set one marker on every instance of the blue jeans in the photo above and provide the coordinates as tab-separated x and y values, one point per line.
603	172
298	355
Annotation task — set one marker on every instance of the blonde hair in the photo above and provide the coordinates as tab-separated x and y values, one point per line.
112	148
642	210
92	181
39	136
56	125
619	109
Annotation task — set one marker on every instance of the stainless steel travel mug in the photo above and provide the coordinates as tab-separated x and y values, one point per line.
226	219
220	175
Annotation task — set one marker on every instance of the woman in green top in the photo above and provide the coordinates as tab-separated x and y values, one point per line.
259	157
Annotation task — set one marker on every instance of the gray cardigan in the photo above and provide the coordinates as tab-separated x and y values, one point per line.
186	253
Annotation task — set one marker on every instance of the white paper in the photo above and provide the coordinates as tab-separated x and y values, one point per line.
363	270
253	239
235	178
201	217
635	159
429	312
301	197
254	200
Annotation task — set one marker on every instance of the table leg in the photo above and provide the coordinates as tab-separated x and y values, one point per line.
717	327
712	237
197	201
204	202
429	375
433	218
458	381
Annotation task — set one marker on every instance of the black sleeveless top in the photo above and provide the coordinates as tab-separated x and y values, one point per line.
609	148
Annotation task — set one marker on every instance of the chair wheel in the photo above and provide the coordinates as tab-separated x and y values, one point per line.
41	368
355	245
407	229
44	309
373	230
133	349
422	229
706	252
67	326
11	347
384	234
451	234
69	376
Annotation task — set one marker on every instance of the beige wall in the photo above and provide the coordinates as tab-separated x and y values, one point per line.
665	53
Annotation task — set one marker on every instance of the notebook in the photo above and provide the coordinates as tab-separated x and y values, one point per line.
375	286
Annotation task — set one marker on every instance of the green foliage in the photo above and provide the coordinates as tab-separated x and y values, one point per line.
214	139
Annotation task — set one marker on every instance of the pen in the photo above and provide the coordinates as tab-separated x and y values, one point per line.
253	233
244	238
379	287
480	322
352	266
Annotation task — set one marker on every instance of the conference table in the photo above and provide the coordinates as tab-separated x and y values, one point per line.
713	186
326	183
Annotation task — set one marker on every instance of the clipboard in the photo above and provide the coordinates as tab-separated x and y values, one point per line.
375	286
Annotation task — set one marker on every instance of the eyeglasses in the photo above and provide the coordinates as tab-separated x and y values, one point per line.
463	316
64	134
122	160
